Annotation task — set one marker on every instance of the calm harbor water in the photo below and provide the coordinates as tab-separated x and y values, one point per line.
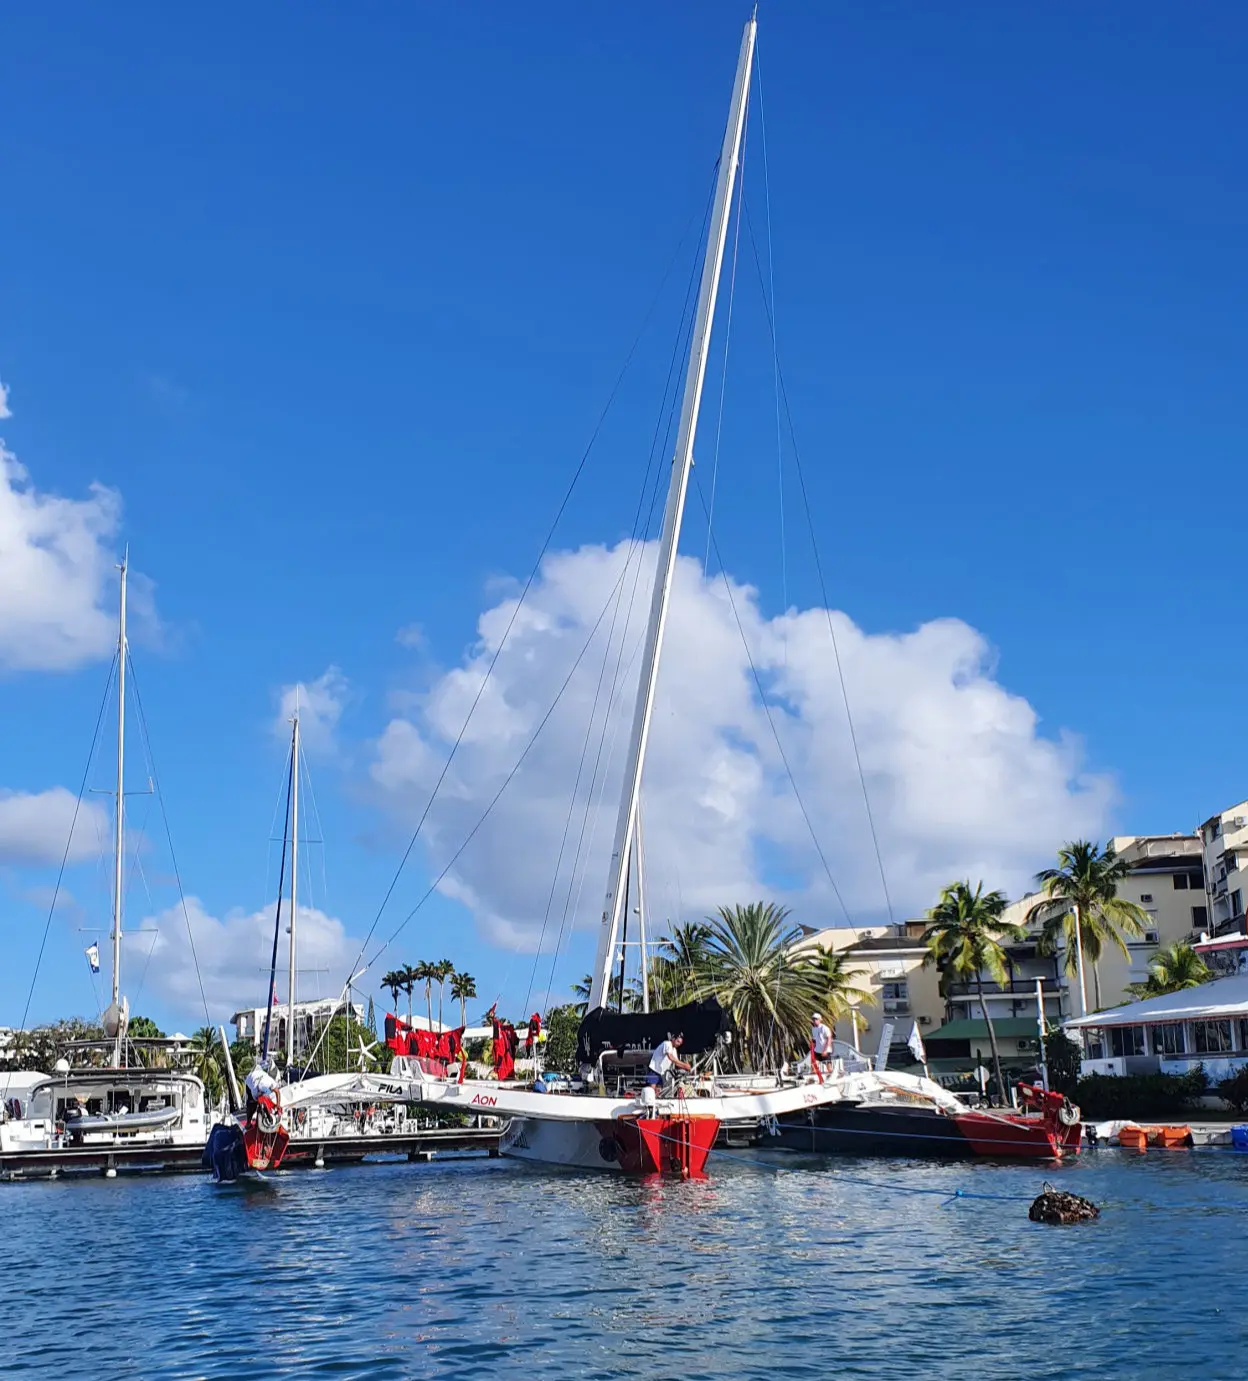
481	1268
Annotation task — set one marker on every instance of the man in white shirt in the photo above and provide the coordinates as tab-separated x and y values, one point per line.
261	1082
820	1038
664	1059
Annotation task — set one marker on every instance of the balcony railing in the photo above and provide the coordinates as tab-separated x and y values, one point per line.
896	1007
1023	987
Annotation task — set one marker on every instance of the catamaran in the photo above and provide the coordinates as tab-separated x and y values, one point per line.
642	1131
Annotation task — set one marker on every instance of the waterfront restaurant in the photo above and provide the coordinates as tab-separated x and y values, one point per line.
1207	1025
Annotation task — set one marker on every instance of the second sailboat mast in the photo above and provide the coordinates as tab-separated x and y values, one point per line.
294	887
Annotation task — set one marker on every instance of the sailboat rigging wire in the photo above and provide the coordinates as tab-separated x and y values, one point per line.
636	542
823	587
775	733
173	858
69	840
528	584
433	886
723	378
658	447
277	924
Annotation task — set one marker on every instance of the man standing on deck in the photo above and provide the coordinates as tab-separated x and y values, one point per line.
820	1038
260	1082
665	1059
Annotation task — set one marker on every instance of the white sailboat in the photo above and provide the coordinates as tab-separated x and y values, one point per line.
122	1106
642	1132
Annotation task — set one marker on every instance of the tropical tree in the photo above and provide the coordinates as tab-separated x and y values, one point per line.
963	939
394	983
463	986
759	979
680	960
412	974
562	1026
1174	967
442	970
425	972
624	1000
205	1045
1082	908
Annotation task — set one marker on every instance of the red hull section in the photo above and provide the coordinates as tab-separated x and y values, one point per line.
1052	1131
265	1150
663	1145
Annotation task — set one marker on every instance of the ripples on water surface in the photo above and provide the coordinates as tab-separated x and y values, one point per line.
482	1268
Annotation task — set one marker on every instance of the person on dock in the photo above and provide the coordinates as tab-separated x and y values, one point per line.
820	1039
666	1058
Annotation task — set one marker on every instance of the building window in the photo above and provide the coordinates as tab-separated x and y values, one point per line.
1200	917
1145	898
1168	1040
1237	904
1211	1037
1126	1040
894	992
1243	1033
1180	882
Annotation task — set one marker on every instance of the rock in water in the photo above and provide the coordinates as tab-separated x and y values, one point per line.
1056	1206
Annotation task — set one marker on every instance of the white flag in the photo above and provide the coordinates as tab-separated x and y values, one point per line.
915	1043
93	957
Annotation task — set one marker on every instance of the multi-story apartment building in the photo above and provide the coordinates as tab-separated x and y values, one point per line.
889	961
1224	845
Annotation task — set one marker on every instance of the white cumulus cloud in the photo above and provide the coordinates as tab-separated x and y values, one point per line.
961	779
57	574
233	954
35	827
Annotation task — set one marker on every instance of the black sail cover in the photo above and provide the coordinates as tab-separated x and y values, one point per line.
700	1023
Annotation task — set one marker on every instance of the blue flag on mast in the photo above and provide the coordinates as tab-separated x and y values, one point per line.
93	957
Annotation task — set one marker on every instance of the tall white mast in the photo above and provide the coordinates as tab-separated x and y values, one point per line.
294	884
639	853
119	838
673	513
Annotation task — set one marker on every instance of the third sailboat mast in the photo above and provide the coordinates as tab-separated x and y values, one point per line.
625	832
294	886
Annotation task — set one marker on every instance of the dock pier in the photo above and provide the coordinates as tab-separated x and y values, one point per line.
422	1146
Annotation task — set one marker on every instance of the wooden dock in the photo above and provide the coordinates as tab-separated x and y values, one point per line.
303	1153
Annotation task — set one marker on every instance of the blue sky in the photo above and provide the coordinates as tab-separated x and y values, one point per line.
332	299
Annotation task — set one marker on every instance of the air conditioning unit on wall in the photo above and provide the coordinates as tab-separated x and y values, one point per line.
925	1021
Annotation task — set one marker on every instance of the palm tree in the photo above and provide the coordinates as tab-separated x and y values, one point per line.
393	982
581	992
204	1044
680	957
963	937
759	979
1172	968
1082	907
411	976
425	972
463	986
442	970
